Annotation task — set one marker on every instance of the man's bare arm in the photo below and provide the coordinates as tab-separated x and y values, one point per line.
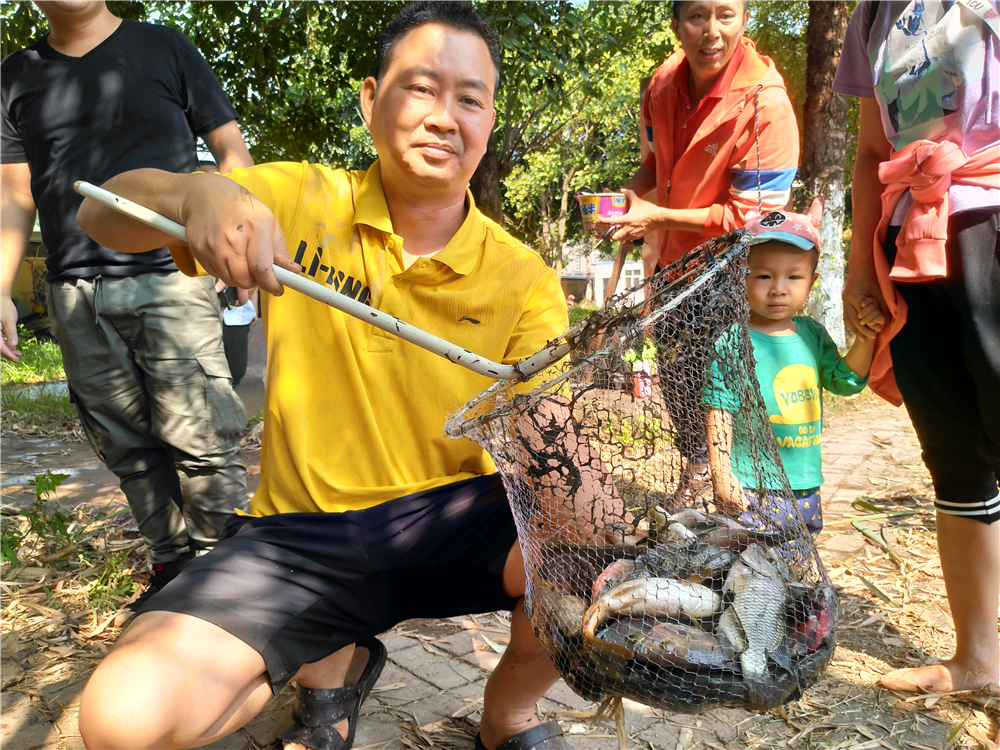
230	231
642	182
153	188
17	217
228	147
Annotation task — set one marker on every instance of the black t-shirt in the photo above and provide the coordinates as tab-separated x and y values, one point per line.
139	99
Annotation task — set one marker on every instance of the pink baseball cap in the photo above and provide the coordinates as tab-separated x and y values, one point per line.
784	226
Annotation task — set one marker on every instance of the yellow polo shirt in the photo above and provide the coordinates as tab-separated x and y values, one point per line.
355	416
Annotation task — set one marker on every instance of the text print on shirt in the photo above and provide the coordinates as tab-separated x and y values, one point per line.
340	281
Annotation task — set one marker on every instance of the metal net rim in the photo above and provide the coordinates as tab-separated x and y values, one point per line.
460	425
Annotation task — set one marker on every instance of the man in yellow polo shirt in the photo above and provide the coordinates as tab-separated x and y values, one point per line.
366	513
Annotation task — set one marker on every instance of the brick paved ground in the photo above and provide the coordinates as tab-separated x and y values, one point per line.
437	670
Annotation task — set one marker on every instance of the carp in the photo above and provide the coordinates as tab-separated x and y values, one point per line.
760	596
820	612
730	632
721	531
694	562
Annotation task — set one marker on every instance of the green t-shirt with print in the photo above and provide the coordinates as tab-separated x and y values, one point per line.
792	372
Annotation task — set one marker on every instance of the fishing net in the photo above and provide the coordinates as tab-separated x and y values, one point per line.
628	465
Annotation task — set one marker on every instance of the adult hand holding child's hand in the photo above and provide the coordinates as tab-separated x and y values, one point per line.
863	304
870	315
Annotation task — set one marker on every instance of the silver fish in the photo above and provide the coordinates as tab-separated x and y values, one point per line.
693	561
670	644
730	632
760	596
652	597
678	532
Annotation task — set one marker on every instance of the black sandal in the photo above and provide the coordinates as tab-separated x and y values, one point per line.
317	710
547	736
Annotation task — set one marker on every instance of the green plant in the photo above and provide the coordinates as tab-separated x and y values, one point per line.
955	732
648	355
36	523
40	408
11	535
112	585
41	361
577	313
640	428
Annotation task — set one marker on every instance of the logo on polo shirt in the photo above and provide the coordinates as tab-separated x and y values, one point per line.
712	148
338	280
471	320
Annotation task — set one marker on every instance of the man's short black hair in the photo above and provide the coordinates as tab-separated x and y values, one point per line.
676	7
457	15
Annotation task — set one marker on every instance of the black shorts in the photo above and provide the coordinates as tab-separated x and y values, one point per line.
946	359
296	587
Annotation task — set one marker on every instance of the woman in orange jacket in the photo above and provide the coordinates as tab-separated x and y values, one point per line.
699	114
723	137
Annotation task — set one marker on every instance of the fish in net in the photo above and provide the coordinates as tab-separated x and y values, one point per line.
645	578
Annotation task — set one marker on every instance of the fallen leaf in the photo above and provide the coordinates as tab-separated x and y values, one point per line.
498	647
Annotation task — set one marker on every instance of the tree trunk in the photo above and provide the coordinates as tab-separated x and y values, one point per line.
485	183
564	211
824	156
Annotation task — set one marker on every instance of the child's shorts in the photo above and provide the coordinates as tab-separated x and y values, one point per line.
771	514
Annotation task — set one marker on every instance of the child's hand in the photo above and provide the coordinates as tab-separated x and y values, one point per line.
870	316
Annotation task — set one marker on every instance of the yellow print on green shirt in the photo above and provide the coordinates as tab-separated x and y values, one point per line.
797	391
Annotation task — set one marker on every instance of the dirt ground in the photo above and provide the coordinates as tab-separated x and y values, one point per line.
893	613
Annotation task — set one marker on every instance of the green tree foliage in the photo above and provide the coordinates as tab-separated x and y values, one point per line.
567	112
571	116
293	70
597	147
778	28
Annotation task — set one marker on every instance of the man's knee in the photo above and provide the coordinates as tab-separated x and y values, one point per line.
514	581
171	679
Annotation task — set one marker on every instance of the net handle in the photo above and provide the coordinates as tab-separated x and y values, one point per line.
521	370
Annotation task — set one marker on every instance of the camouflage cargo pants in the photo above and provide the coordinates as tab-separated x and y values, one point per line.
146	369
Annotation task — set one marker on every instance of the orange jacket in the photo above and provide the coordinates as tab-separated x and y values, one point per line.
926	169
719	168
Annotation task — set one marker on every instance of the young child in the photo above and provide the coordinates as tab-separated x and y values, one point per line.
795	359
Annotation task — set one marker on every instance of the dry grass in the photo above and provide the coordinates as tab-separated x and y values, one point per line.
61	614
64	608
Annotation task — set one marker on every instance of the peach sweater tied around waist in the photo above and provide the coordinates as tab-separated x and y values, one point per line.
927	169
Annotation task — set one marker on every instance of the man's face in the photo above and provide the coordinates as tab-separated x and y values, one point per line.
709	33
431	114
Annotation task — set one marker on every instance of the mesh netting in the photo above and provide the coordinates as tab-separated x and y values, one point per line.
646	578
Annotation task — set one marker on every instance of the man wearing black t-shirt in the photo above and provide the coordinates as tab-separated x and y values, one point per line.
141	343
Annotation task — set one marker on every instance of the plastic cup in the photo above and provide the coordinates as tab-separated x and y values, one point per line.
600	208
